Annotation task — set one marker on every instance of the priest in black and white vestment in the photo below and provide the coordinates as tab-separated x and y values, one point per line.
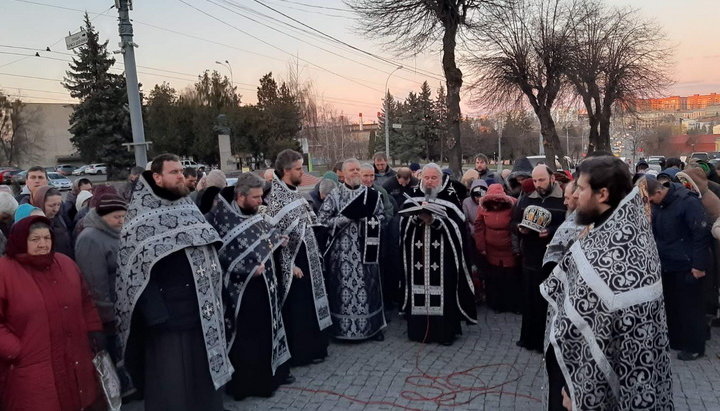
255	330
438	289
353	214
301	286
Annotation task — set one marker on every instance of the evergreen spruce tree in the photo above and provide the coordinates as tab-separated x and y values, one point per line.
441	117
100	123
394	118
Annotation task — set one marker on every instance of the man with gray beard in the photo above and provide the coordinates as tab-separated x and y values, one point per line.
438	289
353	214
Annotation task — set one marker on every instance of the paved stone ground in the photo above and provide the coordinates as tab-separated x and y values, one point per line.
377	372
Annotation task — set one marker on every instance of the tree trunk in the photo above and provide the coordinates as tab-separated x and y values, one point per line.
603	141
453	82
551	141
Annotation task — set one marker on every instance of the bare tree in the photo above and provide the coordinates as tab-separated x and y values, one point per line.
414	26
617	57
523	56
16	138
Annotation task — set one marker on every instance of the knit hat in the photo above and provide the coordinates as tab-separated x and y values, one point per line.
24	210
109	203
216	178
414	167
99	191
81	198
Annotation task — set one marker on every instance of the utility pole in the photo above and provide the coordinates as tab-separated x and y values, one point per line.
387	114
127	47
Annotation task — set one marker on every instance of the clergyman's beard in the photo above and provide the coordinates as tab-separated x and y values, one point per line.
180	190
249	210
431	193
296	181
586	217
353	182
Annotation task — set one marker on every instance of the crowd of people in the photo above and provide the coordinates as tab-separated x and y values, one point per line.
196	288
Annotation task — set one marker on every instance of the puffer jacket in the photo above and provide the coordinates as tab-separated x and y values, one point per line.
492	234
681	231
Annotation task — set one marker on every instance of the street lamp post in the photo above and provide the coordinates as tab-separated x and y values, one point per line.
229	67
387	115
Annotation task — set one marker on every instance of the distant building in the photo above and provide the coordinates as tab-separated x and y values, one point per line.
49	144
678	103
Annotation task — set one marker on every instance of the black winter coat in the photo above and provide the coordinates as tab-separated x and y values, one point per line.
532	246
681	231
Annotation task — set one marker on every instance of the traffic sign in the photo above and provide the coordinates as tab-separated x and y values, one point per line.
76	40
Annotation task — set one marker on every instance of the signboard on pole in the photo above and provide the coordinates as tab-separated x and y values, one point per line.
76	40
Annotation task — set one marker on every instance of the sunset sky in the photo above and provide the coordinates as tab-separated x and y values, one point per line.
349	80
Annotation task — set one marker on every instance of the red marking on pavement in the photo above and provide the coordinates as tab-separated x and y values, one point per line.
448	390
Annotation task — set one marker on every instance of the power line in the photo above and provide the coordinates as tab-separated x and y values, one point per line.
290	35
427	73
316	12
299	39
315	6
275	47
188	36
58	7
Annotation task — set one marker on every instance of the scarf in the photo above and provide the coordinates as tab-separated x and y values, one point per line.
16	247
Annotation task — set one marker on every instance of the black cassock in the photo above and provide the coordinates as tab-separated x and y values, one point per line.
305	307
255	330
438	289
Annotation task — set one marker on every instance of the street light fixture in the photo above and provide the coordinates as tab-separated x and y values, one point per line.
387	114
229	67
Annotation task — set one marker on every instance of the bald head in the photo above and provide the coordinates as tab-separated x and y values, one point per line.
543	179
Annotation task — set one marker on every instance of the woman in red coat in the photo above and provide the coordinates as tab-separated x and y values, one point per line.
493	240
45	319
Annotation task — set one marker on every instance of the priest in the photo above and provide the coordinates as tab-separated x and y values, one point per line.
301	286
438	289
254	326
606	345
169	287
353	214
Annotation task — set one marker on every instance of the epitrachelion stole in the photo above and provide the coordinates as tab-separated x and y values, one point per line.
371	252
427	256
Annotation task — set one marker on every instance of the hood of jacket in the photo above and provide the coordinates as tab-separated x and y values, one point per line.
557	192
93	219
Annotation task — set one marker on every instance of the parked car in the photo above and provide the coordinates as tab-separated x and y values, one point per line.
80	170
192	164
7	173
19	178
655	163
65	169
97	168
700	156
59	181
